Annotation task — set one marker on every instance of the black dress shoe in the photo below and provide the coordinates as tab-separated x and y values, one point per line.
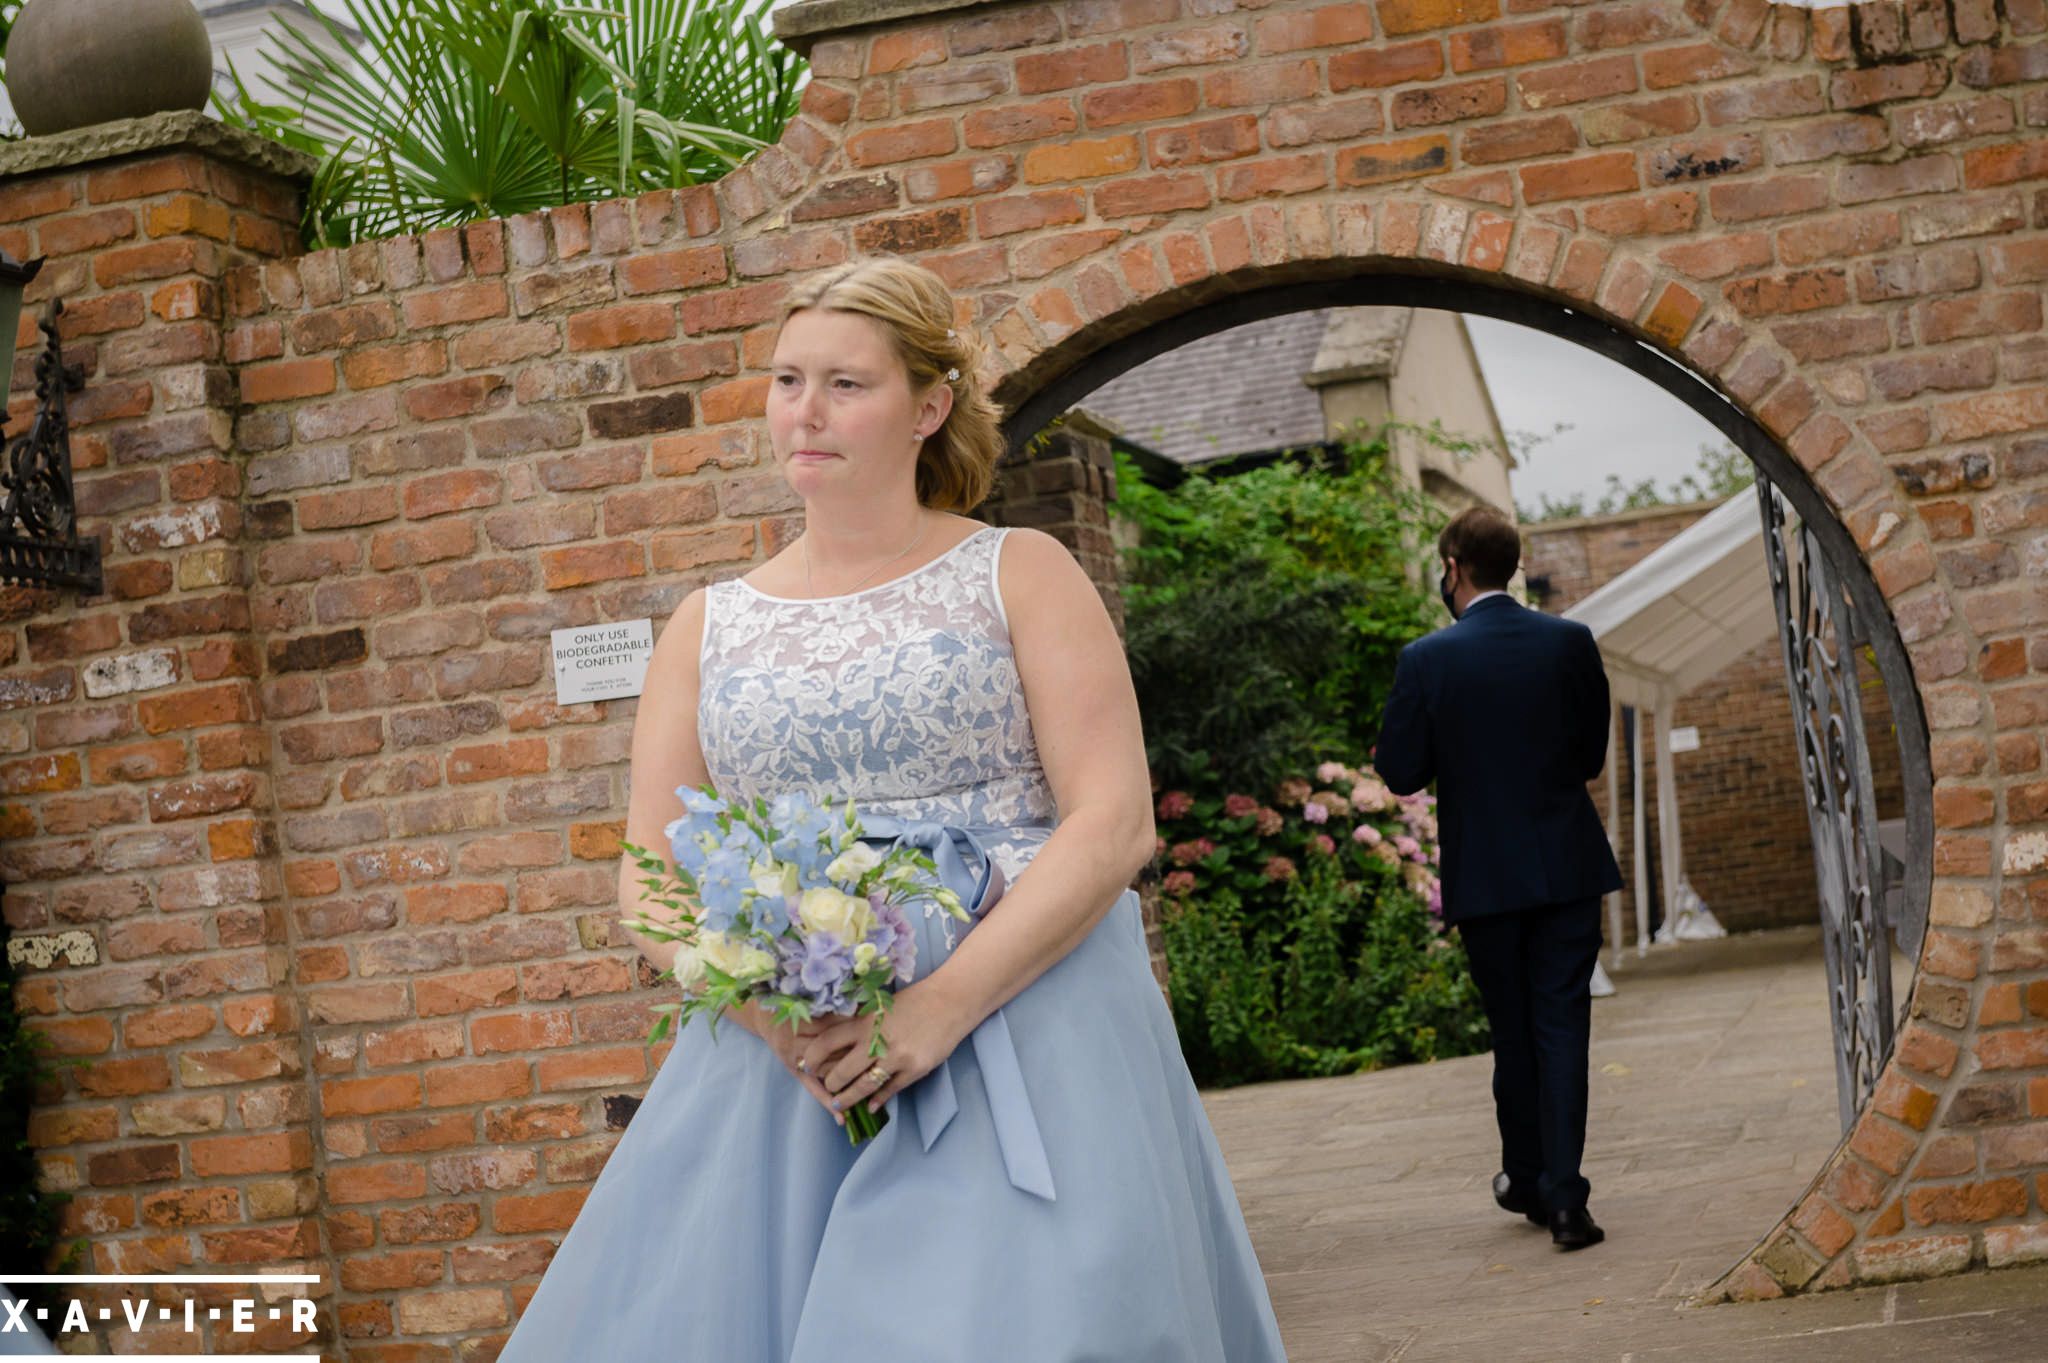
1516	1197
1573	1228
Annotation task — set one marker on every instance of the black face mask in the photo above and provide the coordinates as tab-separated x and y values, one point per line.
1443	589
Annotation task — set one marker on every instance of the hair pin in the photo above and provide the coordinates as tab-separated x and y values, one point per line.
952	376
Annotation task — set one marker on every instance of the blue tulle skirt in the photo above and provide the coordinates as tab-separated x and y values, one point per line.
735	1223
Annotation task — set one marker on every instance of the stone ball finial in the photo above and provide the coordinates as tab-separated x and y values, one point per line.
72	63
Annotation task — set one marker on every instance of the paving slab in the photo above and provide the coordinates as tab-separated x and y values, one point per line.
1712	1107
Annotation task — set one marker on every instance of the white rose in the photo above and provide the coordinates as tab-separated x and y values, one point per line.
689	970
826	909
756	964
774	879
856	861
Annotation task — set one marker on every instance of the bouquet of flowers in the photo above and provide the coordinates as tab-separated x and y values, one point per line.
787	905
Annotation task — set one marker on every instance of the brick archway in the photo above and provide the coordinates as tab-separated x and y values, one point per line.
321	868
1807	462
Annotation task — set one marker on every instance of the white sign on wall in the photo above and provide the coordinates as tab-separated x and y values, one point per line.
602	662
1686	739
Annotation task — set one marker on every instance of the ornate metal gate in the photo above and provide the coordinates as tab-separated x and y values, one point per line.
1821	635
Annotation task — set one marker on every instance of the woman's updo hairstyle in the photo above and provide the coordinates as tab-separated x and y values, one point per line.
956	469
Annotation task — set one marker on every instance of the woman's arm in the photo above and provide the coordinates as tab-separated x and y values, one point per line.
667	755
1084	715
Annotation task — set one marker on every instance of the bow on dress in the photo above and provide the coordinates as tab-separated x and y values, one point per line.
966	868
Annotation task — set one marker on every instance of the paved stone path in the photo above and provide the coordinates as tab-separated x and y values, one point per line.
1713	1105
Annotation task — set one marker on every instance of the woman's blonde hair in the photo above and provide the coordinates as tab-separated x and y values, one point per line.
956	469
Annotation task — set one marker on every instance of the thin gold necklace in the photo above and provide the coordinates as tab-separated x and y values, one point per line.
810	589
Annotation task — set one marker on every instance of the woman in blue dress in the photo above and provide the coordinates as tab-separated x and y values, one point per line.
1047	1188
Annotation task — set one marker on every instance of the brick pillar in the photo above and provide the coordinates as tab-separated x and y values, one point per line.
1062	482
141	849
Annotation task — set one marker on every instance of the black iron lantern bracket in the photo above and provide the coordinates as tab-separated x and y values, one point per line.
39	543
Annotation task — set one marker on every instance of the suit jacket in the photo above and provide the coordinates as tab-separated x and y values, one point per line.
1507	712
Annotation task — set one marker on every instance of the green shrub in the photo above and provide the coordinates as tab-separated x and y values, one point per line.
1298	946
1264	610
28	1215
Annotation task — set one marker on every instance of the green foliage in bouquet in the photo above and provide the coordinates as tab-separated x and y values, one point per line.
1297	947
1264	610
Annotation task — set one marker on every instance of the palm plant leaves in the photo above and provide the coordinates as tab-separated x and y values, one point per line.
453	110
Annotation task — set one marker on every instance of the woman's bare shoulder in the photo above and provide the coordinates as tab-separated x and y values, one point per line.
682	637
1037	573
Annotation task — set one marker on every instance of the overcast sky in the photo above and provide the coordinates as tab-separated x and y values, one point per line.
1619	423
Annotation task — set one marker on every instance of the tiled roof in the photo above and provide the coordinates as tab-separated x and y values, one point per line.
1233	392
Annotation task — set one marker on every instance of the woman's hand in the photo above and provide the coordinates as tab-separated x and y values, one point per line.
790	1044
921	1030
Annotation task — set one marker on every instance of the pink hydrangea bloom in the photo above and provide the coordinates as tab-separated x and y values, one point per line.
1314	812
1324	843
1179	882
1366	835
1330	771
1175	804
1269	822
1237	806
1292	791
1279	868
1407	846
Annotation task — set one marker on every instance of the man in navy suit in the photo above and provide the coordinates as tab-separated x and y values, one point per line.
1506	710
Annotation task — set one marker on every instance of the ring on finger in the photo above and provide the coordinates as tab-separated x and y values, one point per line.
877	1075
803	1065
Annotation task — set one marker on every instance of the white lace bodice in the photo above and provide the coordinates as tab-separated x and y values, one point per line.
905	695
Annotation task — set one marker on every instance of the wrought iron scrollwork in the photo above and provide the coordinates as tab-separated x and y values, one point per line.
39	544
1819	632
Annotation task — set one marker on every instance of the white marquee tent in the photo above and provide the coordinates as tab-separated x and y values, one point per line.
1693	606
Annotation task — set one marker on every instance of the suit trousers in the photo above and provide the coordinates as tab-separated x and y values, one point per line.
1534	969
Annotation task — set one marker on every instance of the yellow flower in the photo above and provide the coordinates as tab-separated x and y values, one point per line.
736	956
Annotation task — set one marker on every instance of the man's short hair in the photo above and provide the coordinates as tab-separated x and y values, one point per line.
1485	544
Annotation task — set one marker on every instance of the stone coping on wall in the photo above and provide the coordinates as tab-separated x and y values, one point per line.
154	132
802	24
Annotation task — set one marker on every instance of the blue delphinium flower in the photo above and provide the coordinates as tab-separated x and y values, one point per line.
803	828
719	885
698	802
772	901
686	845
687	835
745	842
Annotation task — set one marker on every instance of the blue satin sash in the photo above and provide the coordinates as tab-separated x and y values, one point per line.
966	868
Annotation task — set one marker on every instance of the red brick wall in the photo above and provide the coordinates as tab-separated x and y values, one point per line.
1747	848
341	867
